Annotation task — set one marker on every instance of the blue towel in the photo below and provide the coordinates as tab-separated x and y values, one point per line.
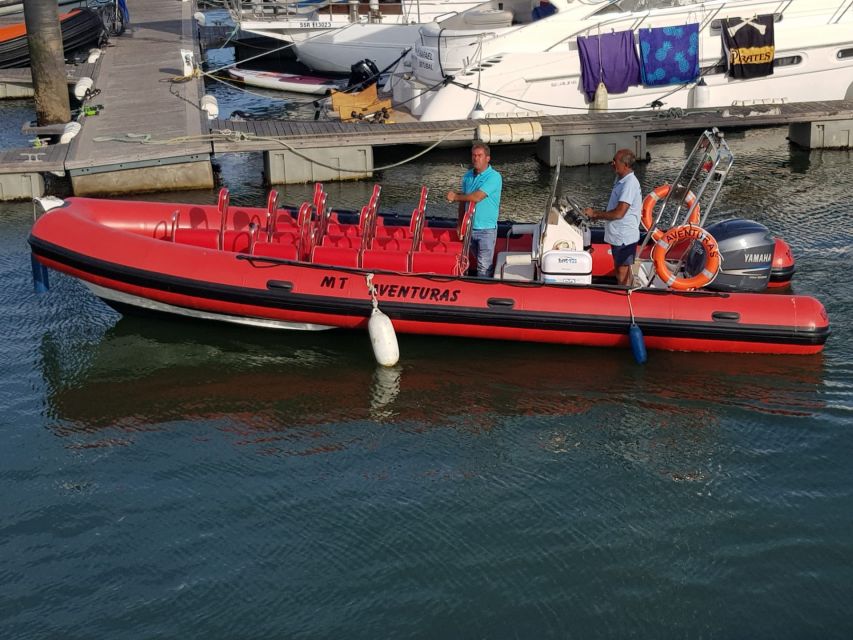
669	55
619	65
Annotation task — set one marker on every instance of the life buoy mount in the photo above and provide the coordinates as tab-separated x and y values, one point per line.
657	194
664	242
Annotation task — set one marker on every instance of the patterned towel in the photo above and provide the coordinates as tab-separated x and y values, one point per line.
669	55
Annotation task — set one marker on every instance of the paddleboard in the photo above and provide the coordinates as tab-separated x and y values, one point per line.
313	85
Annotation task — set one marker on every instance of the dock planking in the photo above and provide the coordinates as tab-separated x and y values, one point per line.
34	159
139	97
73	72
308	134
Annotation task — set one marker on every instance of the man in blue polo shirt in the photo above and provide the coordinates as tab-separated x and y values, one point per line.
622	217
481	185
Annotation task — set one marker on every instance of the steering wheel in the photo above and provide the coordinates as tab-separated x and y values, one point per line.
567	205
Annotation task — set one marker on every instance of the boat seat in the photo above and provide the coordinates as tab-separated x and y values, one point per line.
335	256
522	270
348	242
275	250
440	263
284	221
285	237
207	238
392	231
391	244
440	234
343	229
407	232
387	260
237	241
441	247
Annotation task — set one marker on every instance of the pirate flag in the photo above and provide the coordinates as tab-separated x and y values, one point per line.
749	46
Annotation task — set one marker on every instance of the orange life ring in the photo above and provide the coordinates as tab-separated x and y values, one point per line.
662	192
664	242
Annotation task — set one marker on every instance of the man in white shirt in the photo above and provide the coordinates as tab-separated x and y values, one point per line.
622	217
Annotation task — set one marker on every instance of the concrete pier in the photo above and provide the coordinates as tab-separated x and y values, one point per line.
837	134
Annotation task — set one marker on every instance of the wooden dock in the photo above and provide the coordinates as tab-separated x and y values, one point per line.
266	135
152	135
141	99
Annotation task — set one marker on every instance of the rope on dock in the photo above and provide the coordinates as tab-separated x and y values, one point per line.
237	136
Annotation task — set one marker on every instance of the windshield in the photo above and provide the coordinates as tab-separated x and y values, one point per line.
629	6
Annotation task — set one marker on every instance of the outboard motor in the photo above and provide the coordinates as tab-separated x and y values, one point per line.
363	74
746	250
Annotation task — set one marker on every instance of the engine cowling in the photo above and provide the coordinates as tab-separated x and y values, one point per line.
746	249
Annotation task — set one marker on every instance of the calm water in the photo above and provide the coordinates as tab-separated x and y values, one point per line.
184	480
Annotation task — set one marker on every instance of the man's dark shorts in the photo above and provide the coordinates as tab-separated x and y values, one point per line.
623	255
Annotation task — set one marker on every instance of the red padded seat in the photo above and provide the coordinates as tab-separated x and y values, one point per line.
207	238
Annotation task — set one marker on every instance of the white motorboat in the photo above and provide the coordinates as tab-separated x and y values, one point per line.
534	67
387	44
299	20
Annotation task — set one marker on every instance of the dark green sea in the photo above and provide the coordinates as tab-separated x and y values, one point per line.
172	479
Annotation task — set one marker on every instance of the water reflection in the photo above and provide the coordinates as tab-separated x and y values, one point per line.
301	393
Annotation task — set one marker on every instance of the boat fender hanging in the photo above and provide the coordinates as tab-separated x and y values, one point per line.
71	130
638	345
200	18
515	132
599	101
41	284
94	54
701	95
82	86
664	242
210	105
635	336
381	331
46	203
657	194
477	113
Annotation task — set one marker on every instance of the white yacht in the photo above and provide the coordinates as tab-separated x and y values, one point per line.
299	20
534	67
385	42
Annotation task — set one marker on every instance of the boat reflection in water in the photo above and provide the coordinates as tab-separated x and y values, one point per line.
322	393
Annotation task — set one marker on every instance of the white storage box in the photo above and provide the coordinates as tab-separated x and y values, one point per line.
567	267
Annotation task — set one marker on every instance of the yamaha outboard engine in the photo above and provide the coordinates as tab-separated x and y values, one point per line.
746	251
363	74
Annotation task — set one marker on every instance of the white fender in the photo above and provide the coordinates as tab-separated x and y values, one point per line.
383	338
81	86
71	129
210	105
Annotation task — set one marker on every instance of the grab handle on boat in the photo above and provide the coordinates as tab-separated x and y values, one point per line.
508	303
725	315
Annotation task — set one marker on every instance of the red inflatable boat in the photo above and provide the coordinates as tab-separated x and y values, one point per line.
310	268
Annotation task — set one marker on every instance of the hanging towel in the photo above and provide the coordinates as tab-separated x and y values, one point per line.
669	55
749	46
620	67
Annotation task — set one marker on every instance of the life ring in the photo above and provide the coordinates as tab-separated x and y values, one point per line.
664	242
662	192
